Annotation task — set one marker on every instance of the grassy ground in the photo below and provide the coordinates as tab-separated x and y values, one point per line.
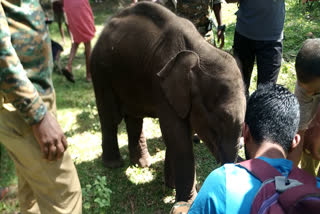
136	190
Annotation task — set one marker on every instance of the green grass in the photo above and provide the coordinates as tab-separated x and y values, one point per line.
136	190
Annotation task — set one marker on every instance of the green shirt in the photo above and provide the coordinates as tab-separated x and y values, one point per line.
25	58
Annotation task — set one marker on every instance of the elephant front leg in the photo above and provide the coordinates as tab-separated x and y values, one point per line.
110	150
169	170
181	164
138	148
185	179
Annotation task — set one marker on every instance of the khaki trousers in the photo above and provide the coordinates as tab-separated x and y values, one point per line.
43	187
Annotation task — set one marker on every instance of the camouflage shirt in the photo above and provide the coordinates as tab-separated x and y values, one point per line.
47	8
196	11
25	59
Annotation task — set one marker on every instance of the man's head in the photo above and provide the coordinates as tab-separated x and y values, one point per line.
273	115
308	66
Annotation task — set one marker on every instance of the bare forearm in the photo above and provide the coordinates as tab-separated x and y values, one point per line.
217	13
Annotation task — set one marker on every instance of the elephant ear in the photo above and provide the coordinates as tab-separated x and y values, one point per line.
175	81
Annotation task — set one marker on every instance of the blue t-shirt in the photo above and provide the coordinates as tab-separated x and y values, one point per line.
231	188
261	20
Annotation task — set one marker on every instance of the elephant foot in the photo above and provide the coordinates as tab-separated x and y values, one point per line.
144	161
117	163
188	198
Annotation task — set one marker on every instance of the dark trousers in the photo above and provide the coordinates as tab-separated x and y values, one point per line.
268	55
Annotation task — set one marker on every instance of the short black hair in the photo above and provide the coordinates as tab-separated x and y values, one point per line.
308	61
273	114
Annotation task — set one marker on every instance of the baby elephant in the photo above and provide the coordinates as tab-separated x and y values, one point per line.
148	62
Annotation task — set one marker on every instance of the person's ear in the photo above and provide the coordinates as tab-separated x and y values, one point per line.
295	142
246	133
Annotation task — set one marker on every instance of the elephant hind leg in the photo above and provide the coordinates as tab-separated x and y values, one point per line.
138	149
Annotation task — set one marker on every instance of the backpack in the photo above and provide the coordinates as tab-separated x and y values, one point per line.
297	193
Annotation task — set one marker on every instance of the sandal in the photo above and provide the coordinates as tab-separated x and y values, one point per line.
3	192
68	75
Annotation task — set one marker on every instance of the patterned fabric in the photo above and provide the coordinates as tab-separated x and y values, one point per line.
25	59
197	12
47	8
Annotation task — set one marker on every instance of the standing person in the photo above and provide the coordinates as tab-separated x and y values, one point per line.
81	26
58	13
308	93
47	178
259	35
197	12
270	132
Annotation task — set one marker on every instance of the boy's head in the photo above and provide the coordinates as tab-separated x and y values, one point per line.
273	115
308	64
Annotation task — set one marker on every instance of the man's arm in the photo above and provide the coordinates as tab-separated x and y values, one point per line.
14	83
19	91
221	28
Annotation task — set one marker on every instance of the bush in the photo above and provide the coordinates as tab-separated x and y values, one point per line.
96	197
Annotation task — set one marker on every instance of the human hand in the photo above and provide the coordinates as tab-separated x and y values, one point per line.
220	36
50	137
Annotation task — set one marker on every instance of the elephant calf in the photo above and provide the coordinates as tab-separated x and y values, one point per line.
148	62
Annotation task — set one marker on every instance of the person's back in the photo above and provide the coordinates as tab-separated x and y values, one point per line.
269	132
261	20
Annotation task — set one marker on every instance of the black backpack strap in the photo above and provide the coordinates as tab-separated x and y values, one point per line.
260	169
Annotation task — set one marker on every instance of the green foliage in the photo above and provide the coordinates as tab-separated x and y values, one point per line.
302	22
96	197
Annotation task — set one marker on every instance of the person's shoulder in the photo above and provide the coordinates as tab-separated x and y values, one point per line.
219	176
228	168
217	173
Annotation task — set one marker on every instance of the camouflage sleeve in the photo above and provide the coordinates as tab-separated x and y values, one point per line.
14	83
47	9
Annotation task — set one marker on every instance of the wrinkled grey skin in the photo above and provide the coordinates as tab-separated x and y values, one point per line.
148	62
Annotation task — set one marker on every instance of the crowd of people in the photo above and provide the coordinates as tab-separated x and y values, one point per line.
280	128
